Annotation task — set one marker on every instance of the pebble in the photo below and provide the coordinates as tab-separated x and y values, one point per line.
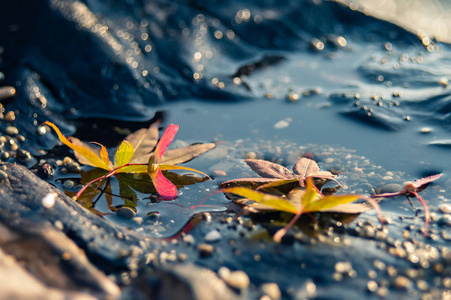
68	184
372	286
445	208
271	290
219	173
23	154
213	236
292	97
126	212
74	167
3	175
401	282
343	267
281	124
205	250
251	155
49	200
11	130
391	188
236	279
10	116
7	92
189	239
444	221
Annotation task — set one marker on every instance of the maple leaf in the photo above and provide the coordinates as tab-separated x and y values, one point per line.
303	200
135	156
274	175
414	188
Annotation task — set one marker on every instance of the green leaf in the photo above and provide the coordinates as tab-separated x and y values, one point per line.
124	154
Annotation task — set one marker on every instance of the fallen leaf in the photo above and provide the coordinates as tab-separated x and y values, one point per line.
413	189
300	200
275	175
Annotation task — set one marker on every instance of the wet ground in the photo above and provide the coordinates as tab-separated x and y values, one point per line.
366	94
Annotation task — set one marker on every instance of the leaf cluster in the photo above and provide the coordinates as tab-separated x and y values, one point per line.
280	194
140	152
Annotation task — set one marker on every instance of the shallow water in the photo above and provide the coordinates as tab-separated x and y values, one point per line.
278	80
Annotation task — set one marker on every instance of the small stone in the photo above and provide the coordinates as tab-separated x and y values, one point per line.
219	173
425	130
11	130
292	97
343	267
138	220
7	92
236	279
74	167
68	184
126	212
444	221
189	239
272	290
3	175
445	208
23	154
10	116
4	155
391	188
49	200
205	250
213	236
281	124
401	282
372	286
251	155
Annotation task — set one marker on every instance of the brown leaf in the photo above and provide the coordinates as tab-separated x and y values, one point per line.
181	155
307	167
143	141
268	169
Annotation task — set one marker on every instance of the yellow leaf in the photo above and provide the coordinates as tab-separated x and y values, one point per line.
329	202
103	153
124	154
133	169
86	153
275	202
311	193
173	167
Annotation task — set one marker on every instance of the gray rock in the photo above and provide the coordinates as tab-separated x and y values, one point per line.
179	281
30	234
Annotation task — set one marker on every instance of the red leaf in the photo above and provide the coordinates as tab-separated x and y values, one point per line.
420	182
164	187
165	140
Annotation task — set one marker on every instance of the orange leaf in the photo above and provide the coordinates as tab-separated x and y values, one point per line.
86	153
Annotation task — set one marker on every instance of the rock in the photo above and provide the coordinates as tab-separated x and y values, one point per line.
212	236
235	279
271	290
391	188
179	281
205	250
28	221
19	277
445	208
